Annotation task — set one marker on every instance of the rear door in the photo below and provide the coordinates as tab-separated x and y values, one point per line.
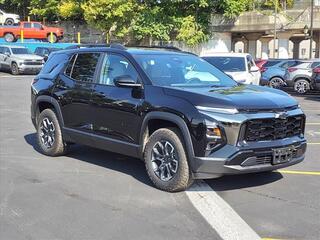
38	31
75	87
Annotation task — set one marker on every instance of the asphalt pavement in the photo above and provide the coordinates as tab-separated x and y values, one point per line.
87	195
94	194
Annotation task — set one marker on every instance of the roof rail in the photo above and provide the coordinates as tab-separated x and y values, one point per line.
112	45
158	47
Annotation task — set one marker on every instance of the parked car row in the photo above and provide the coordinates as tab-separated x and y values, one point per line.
18	59
294	73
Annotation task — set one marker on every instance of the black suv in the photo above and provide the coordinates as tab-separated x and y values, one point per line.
185	118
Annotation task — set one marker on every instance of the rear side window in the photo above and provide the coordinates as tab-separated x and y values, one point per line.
84	67
315	64
271	63
27	25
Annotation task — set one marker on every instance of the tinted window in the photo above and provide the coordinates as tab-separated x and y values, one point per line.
27	25
37	25
115	66
85	66
70	65
179	70
19	50
271	63
228	64
1	50
315	64
289	64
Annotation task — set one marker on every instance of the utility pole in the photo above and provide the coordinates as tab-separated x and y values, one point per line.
311	28
275	28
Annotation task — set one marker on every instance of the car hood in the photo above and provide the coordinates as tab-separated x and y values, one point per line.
27	57
241	97
11	15
238	76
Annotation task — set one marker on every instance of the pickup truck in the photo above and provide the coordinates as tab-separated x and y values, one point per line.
31	30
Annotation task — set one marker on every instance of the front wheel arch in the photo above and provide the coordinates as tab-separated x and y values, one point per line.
177	122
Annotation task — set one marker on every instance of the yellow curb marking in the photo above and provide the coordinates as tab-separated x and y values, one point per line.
299	172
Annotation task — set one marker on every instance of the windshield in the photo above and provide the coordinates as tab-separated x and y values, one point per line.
19	50
227	64
182	71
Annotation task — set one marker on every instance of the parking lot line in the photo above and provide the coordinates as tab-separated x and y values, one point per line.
271	239
314	143
299	172
312	123
218	213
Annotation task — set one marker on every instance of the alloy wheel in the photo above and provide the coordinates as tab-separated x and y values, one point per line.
302	86
276	83
164	160
47	133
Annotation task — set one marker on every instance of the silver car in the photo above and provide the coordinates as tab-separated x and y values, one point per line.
299	76
17	59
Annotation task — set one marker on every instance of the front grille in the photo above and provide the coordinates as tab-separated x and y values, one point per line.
273	128
36	62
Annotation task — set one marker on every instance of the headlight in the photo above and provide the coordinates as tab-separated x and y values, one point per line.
215	137
218	110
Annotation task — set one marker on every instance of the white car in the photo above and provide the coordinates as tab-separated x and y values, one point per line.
8	18
240	66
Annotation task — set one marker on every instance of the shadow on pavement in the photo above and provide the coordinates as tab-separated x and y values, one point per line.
243	181
120	163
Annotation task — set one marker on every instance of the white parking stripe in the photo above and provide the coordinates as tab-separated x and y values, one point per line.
227	223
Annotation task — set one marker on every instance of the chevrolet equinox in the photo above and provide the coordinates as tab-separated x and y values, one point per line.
185	118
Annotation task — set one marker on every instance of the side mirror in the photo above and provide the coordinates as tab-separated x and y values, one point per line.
254	69
126	81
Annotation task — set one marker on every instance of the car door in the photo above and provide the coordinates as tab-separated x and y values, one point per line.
38	32
74	89
117	109
27	30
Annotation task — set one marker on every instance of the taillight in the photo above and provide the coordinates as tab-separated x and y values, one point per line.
291	69
316	70
263	69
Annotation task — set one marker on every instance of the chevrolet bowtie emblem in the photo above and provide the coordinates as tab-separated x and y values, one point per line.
281	115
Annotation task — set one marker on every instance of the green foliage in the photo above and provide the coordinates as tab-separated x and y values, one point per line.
107	15
45	8
70	9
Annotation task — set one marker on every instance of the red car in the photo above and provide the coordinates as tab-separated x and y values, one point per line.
31	30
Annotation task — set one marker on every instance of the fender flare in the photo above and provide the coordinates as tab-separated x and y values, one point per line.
171	118
302	76
55	104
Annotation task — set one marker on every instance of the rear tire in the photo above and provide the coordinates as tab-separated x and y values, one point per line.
166	161
49	135
276	82
15	69
9	37
301	86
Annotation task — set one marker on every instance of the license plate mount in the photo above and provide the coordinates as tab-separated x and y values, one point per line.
282	155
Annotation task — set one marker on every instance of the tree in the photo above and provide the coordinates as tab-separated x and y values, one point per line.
45	8
111	16
70	9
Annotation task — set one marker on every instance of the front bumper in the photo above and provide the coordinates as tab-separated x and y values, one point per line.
30	68
231	160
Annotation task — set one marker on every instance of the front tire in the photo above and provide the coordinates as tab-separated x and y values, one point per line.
301	86
49	135
15	69
166	160
54	38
